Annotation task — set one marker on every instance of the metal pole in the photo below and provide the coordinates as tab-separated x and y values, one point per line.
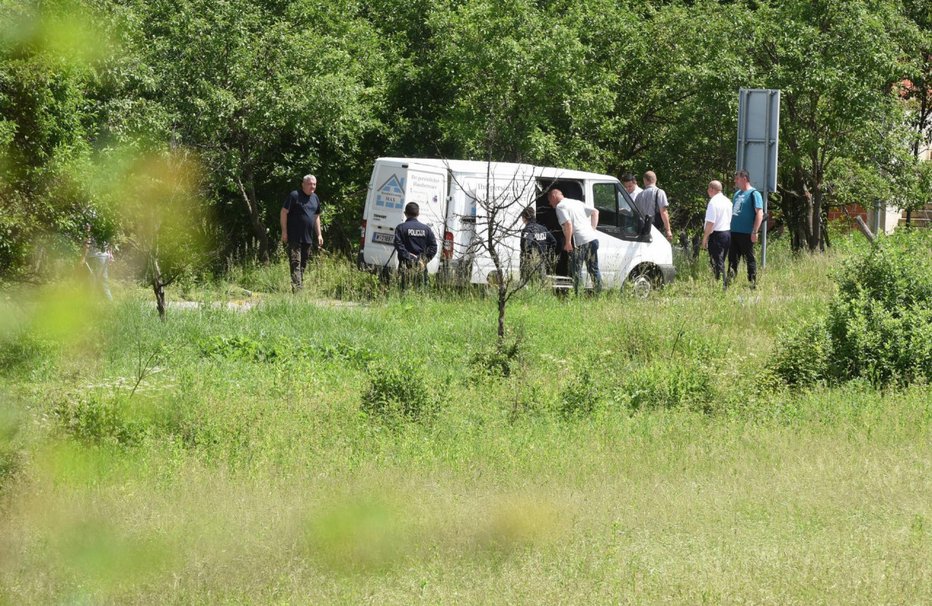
766	194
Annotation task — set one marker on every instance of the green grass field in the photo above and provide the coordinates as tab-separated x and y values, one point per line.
628	451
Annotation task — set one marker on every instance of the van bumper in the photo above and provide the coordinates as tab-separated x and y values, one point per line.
668	272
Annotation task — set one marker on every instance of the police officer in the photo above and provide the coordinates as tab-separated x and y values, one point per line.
537	246
416	246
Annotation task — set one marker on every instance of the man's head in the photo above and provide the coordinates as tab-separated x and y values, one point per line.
528	214
554	196
630	182
650	178
742	179
715	187
309	184
412	210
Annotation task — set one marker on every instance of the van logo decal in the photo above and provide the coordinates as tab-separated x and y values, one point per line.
391	194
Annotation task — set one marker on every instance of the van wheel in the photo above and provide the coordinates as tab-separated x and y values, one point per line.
644	280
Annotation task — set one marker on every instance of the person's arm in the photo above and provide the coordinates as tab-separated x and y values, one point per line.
568	236
665	216
758	215
431	251
594	218
320	234
706	232
283	219
758	219
403	253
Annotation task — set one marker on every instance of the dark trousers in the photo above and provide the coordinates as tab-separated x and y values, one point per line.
413	274
298	253
587	254
719	245
741	246
535	265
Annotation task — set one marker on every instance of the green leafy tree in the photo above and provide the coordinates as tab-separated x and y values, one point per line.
48	80
836	64
265	93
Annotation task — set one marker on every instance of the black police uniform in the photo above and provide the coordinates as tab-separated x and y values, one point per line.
537	249
414	243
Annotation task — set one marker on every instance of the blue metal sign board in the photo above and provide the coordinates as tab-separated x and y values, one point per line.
758	139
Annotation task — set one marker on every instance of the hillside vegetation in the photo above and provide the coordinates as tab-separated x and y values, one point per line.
355	445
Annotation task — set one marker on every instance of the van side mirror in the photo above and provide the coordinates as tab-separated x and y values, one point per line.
646	223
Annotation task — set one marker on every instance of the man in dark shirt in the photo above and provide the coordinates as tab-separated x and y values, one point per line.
300	222
416	246
537	247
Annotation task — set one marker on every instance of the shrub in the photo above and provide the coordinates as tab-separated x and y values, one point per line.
497	361
880	321
670	385
802	355
98	420
581	396
239	348
397	391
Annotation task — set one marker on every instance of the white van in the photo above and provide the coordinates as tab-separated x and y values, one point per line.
457	196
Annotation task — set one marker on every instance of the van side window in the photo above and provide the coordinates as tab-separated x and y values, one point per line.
628	222
605	202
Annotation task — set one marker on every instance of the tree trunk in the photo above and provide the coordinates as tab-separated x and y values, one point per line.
815	221
797	209
159	289
158	286
502	301
259	230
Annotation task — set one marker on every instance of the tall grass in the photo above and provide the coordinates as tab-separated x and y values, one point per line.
635	451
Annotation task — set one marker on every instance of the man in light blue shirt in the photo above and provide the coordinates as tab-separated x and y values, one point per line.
747	214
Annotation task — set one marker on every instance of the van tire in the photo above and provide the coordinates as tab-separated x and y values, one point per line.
645	279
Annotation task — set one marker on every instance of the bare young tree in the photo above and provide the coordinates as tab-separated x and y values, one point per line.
496	241
156	195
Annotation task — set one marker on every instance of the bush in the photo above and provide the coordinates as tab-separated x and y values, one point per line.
581	396
239	348
880	322
670	385
802	355
498	360
397	391
98	420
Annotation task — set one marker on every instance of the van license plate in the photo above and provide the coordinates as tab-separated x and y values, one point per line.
383	238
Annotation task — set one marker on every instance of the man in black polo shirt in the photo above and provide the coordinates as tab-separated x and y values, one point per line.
416	246
300	220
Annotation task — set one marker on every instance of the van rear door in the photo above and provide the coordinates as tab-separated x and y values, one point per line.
392	186
427	185
384	210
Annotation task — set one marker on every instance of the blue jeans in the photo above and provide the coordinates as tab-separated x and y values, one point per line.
587	254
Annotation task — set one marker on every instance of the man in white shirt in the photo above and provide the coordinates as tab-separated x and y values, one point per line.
580	239
630	183
716	236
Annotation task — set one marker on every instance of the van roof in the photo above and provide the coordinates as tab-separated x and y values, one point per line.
479	166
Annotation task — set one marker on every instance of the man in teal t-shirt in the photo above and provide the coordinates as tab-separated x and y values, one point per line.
747	214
